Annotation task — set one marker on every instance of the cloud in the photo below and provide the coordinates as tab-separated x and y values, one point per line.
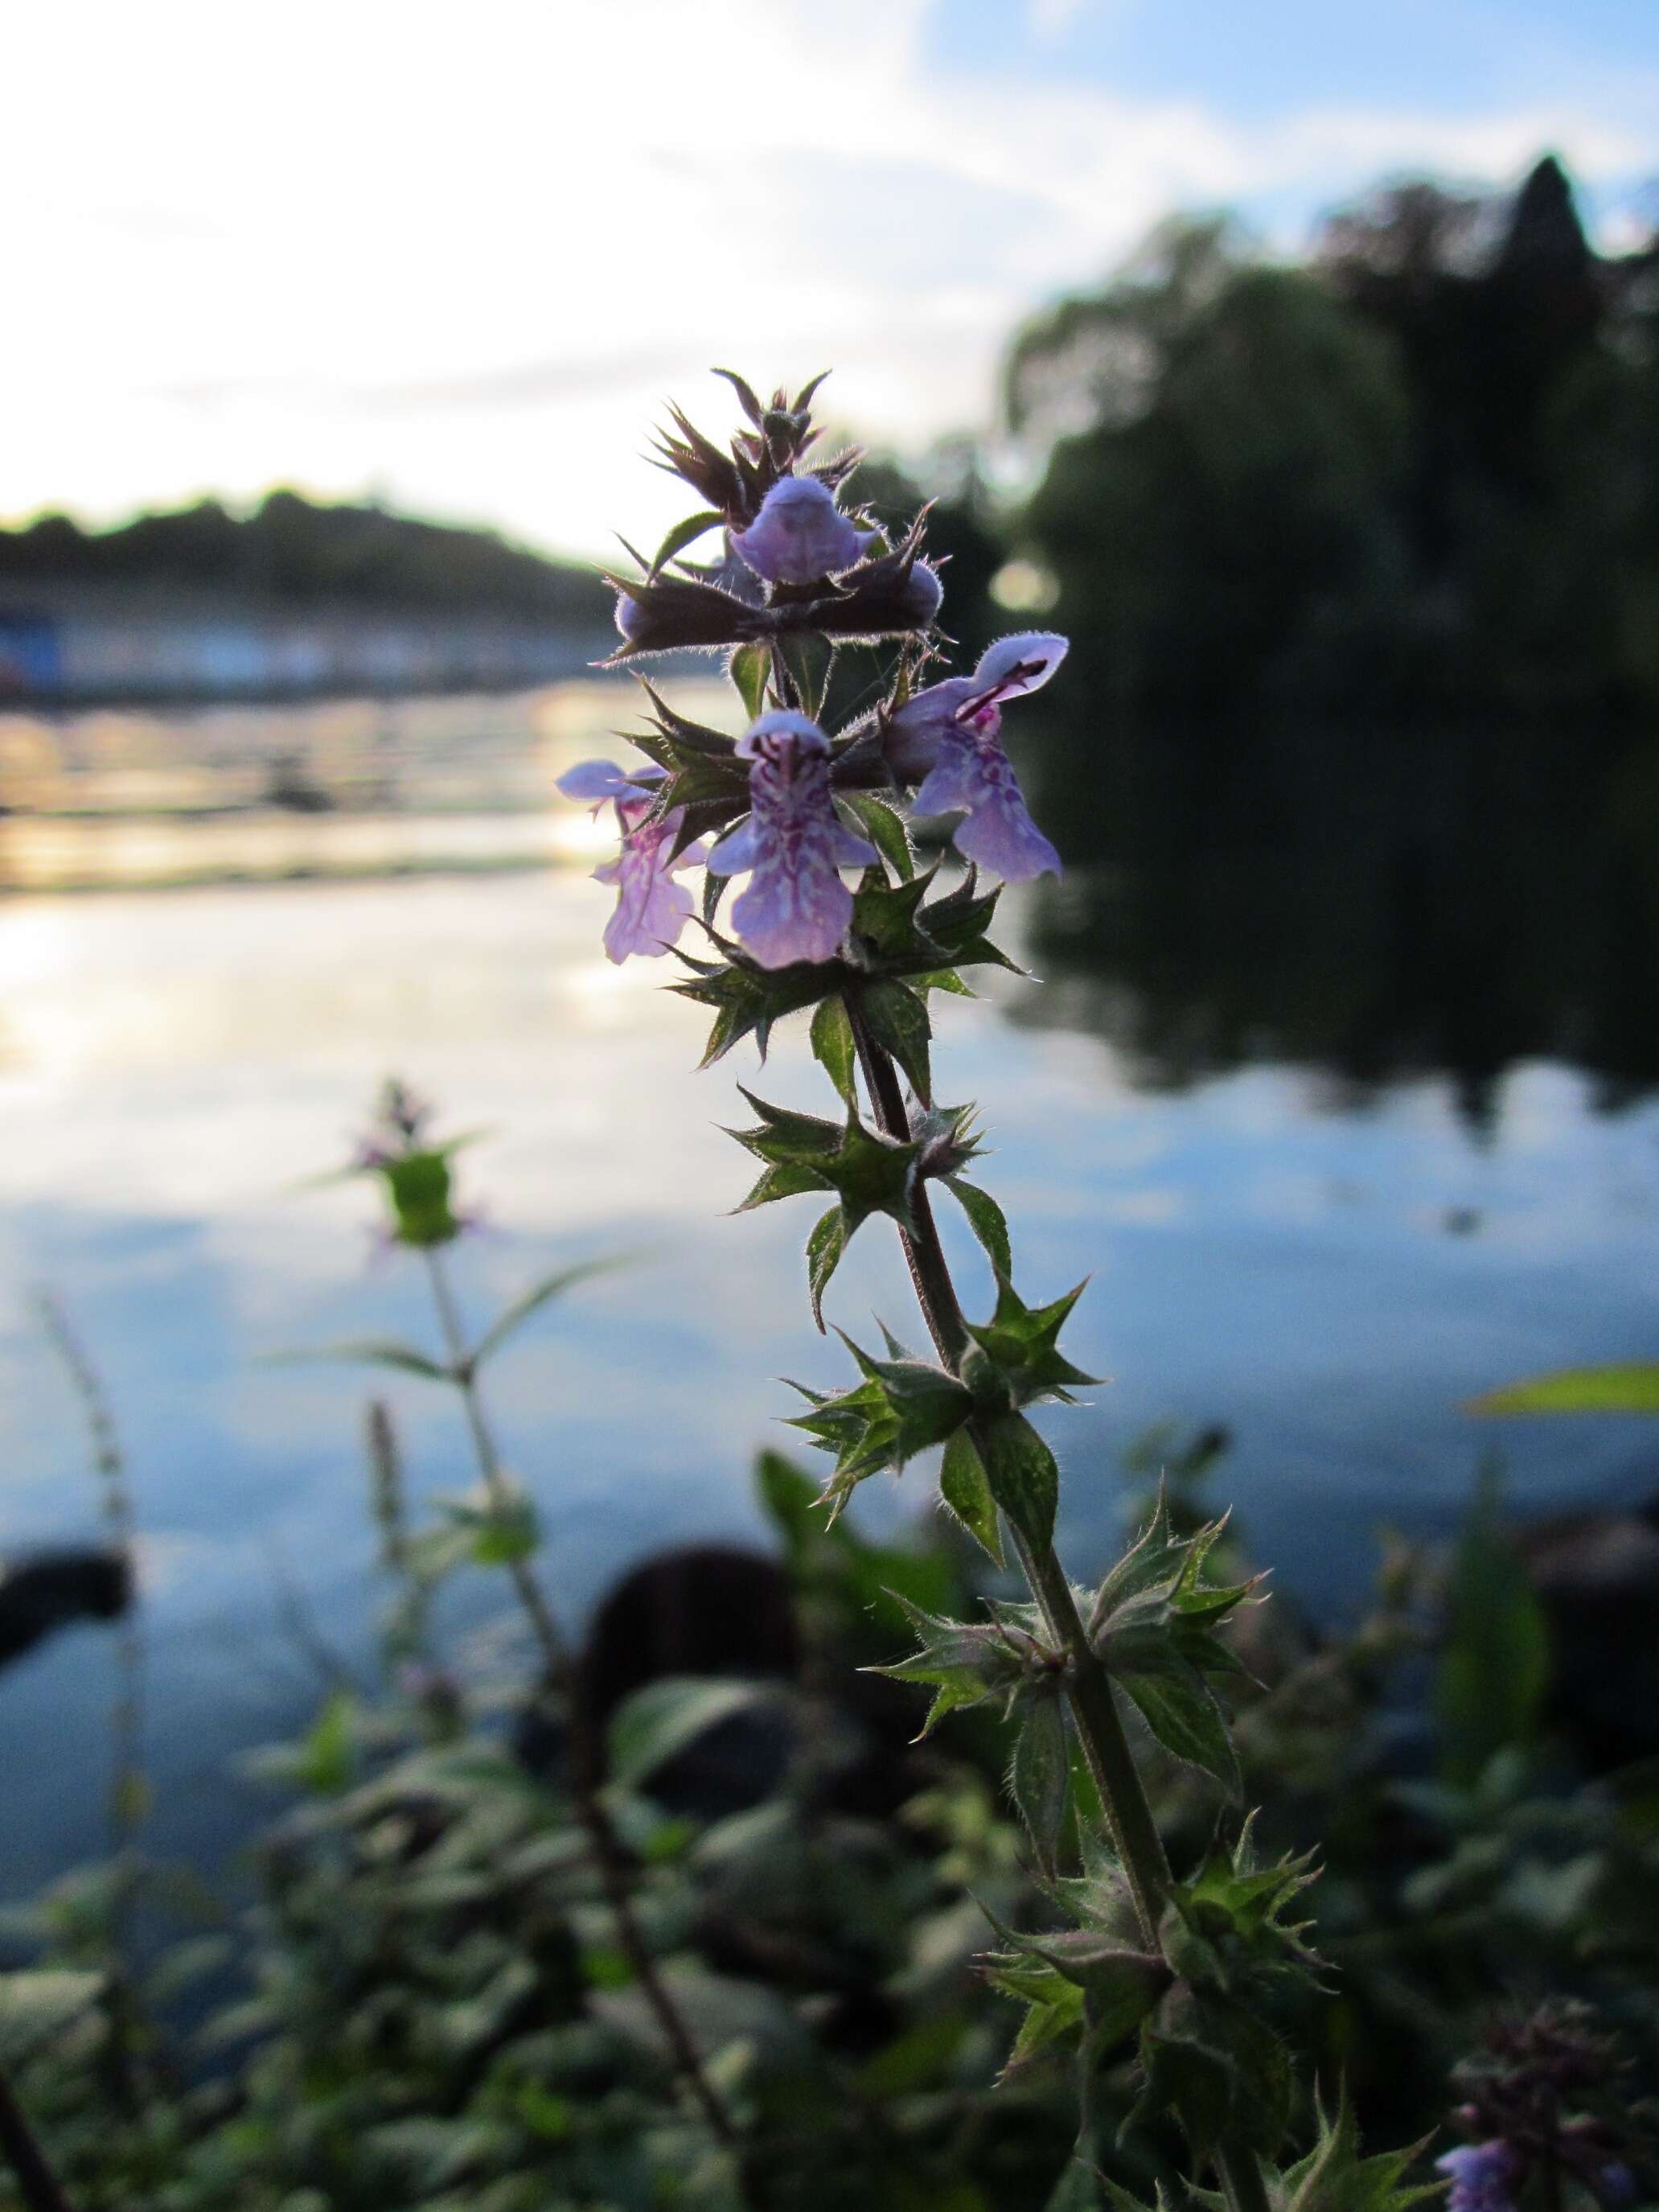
358	246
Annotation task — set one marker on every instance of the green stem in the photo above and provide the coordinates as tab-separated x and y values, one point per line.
536	1609
1099	1725
1128	1812
610	1853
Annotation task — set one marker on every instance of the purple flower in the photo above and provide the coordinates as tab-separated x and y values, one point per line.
652	909
1010	667
948	736
796	907
800	535
1483	2177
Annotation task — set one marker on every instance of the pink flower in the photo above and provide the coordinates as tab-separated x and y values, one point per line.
800	535
948	740
794	843
652	909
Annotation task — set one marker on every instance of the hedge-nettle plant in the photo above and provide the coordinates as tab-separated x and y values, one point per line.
839	918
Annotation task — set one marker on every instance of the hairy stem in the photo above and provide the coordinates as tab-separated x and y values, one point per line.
1123	1798
610	1853
37	2185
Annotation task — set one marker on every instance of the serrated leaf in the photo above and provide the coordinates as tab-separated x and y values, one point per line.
986	1220
789	1179
1334	2177
1023	1342
1182	1712
965	1488
514	1315
833	1046
750	669
823	1249
1020	1470
655	1723
1039	1773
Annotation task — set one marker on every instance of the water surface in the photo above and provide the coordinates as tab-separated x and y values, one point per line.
1326	1267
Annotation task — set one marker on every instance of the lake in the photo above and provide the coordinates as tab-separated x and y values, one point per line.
1322	1229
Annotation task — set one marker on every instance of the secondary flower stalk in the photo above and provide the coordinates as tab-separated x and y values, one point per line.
652	909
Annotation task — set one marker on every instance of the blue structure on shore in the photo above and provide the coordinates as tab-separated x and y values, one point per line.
31	654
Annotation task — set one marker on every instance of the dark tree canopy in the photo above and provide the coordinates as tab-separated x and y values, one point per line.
295	550
1421	471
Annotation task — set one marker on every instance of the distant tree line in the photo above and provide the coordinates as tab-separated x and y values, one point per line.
295	550
1418	471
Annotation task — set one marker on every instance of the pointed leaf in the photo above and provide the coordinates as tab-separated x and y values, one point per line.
370	1352
898	1021
823	1249
1632	1389
532	1301
1040	1772
683	534
833	1046
965	1490
1181	1709
1021	1471
986	1220
653	1725
749	667
887	832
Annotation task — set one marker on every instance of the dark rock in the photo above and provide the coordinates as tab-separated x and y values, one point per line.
52	1589
1598	1576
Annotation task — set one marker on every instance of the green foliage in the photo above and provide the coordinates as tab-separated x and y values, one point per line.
1495	1665
966	1489
657	1723
299	549
1632	1389
1020	1473
1333	2176
900	1407
1022	1343
418	1186
530	1301
1153	1622
36	2008
1414	474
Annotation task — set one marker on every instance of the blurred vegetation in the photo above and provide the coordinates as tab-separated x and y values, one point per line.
1418	473
295	549
424	2005
1360	563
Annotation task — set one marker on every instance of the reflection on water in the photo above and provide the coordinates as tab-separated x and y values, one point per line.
1377	903
353	787
1328	1272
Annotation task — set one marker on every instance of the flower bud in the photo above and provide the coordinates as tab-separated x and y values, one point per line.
801	536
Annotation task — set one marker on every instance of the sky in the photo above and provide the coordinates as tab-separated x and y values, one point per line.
456	258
